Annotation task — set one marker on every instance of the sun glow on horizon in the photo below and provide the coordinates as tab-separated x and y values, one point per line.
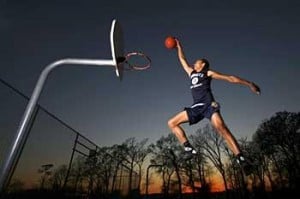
155	186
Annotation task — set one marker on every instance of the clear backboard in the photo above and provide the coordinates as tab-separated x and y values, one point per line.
117	47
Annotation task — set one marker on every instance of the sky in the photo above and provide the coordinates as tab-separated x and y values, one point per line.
255	40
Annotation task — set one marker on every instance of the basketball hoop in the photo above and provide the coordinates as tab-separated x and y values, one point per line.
135	61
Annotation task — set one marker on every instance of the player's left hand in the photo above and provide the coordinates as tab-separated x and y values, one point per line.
255	88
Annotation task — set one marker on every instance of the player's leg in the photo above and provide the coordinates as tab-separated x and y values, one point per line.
219	124
174	125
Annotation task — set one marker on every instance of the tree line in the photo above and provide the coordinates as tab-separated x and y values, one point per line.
121	169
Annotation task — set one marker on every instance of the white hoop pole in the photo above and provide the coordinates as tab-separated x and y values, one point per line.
21	136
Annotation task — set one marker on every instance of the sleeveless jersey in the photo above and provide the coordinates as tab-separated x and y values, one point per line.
200	87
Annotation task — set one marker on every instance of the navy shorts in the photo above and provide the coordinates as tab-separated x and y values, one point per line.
199	111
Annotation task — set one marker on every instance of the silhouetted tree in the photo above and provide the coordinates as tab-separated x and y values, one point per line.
58	177
135	155
160	156
90	170
45	172
213	146
119	154
258	177
166	151
200	163
104	170
140	159
77	174
278	138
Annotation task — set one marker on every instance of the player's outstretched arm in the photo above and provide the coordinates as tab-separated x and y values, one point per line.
234	79
182	58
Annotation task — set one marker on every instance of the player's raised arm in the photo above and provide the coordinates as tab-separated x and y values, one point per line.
234	79
182	58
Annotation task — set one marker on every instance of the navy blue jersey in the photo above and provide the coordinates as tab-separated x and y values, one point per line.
200	87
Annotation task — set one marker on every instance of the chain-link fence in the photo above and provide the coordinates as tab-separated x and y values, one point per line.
58	160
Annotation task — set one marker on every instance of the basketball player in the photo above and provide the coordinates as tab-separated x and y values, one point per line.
205	106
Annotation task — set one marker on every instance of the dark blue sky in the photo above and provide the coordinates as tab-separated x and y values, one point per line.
256	40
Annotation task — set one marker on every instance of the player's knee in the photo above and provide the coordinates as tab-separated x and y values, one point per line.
171	123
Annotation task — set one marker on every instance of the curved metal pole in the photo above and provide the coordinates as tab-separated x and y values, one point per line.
19	141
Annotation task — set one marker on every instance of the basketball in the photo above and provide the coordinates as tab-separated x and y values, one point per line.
170	42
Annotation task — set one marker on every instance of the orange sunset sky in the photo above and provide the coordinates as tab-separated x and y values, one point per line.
155	184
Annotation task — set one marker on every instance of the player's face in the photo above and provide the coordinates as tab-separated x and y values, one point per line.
199	64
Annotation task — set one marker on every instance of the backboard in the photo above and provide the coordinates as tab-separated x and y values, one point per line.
117	46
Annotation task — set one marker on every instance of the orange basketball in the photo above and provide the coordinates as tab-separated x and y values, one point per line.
170	42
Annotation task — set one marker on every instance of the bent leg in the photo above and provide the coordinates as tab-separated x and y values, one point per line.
219	124
174	125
